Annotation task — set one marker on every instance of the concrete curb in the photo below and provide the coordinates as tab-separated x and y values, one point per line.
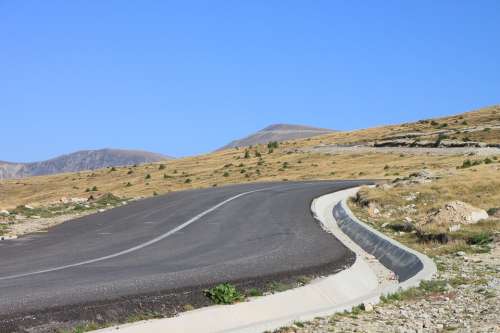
426	266
325	296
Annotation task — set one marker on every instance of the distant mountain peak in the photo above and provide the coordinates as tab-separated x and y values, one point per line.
292	127
278	132
79	161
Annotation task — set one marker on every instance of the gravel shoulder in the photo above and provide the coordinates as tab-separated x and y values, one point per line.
472	305
468	300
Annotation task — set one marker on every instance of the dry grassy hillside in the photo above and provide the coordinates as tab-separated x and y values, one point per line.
289	161
479	125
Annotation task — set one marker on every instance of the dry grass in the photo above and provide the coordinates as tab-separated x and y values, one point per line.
479	186
288	162
216	169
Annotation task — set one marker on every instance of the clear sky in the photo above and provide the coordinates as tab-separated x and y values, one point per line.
186	77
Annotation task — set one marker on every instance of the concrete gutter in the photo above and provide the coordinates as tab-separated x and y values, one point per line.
365	281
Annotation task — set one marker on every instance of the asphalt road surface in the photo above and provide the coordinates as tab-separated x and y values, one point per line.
168	242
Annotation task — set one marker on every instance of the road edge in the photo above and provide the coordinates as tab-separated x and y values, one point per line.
325	296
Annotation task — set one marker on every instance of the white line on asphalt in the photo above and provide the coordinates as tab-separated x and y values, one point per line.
154	240
140	246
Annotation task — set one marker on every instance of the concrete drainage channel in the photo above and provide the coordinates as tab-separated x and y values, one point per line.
378	258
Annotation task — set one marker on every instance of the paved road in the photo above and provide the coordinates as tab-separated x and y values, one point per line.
178	240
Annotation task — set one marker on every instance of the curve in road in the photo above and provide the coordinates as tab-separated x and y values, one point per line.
177	241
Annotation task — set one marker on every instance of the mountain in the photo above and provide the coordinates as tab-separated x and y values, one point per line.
79	161
278	132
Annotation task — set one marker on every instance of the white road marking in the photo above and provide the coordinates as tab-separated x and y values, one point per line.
140	246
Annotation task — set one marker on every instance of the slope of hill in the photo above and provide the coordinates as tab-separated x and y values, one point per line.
78	161
292	160
277	132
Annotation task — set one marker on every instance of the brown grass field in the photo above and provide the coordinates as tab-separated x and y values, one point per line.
289	161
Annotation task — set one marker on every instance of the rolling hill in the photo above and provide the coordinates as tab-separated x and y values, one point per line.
300	159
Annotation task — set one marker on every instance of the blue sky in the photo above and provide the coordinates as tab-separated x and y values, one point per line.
186	77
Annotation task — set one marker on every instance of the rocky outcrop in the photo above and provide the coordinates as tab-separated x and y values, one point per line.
429	144
420	177
456	213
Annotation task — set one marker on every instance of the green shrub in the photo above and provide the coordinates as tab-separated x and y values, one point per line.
148	176
112	169
468	163
94	189
482	238
273	145
187	181
161	167
226	174
224	293
487	161
108	198
130	172
493	210
247	153
254	292
128	184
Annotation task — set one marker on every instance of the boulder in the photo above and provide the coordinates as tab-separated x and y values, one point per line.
457	212
78	200
368	307
4	212
420	177
373	209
